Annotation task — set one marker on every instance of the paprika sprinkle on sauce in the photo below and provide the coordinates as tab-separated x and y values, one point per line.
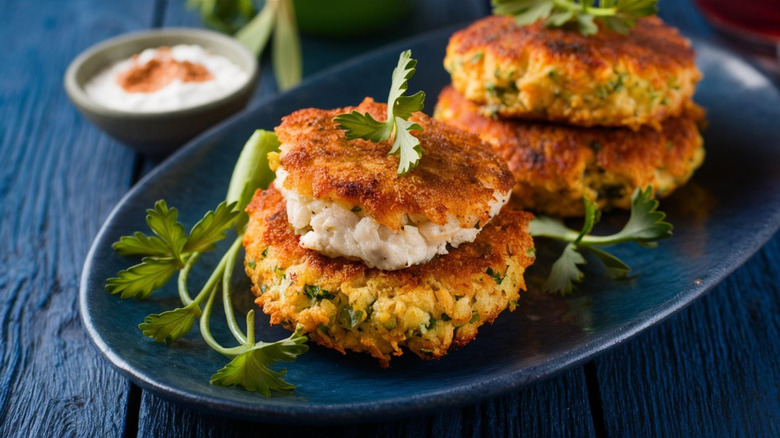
166	78
159	72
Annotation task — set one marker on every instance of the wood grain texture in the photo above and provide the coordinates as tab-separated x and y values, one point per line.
555	408
58	180
713	369
709	371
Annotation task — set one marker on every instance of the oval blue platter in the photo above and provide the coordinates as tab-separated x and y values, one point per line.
726	213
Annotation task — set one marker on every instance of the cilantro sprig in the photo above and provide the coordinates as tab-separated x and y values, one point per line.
645	226
618	15
399	109
171	249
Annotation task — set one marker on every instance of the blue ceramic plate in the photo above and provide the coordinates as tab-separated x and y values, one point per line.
729	209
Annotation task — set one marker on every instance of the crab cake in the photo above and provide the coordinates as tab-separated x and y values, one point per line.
556	165
345	198
606	79
344	304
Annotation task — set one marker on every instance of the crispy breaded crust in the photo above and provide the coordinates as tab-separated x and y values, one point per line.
559	74
426	308
556	165
457	176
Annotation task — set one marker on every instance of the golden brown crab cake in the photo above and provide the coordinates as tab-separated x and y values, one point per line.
345	197
346	305
560	75
556	165
321	163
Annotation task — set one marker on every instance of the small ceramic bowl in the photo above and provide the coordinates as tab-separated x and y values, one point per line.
160	133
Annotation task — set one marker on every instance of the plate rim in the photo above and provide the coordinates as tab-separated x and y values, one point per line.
415	404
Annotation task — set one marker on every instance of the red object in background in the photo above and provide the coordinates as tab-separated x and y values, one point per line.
756	21
753	27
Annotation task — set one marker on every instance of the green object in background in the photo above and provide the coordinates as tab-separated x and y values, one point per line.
278	22
254	30
348	18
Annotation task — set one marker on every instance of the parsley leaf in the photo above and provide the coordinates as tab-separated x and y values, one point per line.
619	15
359	125
407	144
495	275
645	226
349	318
615	267
399	109
526	12
171	325
250	371
141	244
211	229
564	271
318	293
171	250
140	280
164	223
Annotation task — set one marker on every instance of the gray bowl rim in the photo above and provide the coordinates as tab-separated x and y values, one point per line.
79	97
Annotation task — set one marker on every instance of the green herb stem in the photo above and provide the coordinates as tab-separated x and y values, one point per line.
250	327
275	23
592	10
572	236
286	54
255	35
172	249
645	226
230	263
184	294
212	282
231	352
205	331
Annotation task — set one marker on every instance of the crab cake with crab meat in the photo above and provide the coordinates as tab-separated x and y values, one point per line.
557	74
346	199
346	305
555	166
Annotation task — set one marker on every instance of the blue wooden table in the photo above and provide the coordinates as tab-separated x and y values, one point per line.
711	370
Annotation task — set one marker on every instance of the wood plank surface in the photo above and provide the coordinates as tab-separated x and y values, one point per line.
711	370
555	408
714	369
59	179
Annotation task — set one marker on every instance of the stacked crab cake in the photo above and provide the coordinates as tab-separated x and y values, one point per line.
368	260
574	115
555	166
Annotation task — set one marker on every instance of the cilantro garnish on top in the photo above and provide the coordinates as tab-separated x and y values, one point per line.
399	109
618	15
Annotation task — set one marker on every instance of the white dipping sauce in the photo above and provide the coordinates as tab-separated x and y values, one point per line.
227	77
